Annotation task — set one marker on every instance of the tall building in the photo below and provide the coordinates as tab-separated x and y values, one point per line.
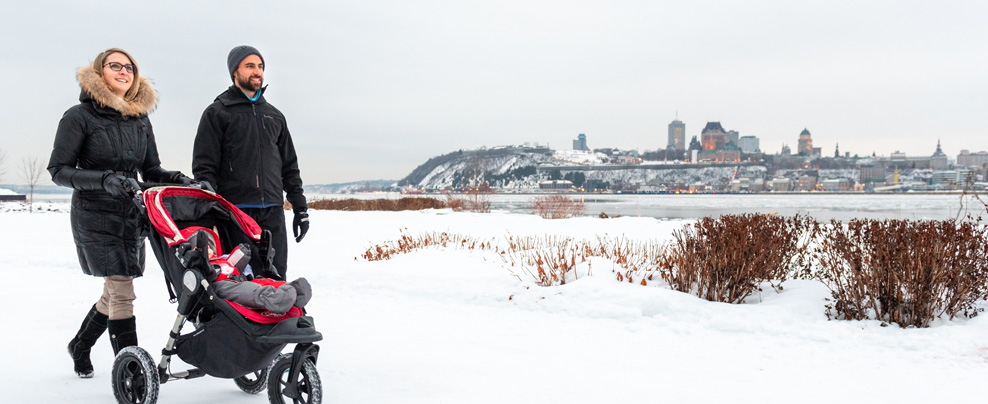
581	143
748	144
938	161
731	136
677	135
713	136
805	147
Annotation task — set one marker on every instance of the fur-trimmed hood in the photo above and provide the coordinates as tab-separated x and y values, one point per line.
97	90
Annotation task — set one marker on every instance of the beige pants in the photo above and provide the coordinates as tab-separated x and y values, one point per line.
118	297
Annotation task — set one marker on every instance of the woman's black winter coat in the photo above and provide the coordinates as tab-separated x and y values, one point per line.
104	135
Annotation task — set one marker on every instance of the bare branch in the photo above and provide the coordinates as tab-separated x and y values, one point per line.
31	170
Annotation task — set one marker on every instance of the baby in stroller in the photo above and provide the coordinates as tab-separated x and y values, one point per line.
233	278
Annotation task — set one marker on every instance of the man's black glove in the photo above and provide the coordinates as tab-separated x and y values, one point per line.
300	225
181	179
120	186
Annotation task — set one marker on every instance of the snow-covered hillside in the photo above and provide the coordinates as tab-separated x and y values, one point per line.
516	168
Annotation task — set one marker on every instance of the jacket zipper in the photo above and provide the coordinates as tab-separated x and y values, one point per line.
257	148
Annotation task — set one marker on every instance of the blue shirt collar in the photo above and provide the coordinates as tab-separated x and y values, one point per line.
257	95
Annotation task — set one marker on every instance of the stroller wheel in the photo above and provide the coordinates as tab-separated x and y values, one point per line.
253	383
306	390
135	377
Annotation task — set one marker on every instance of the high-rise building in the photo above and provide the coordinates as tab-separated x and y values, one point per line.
677	135
805	147
731	136
581	143
748	144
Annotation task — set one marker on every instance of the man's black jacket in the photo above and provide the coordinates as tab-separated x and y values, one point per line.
245	150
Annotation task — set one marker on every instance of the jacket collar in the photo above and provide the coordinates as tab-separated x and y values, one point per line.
234	95
95	90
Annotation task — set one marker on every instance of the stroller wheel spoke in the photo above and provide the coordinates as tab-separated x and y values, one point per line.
135	378
307	389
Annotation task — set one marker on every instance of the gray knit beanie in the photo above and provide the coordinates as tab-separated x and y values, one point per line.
238	54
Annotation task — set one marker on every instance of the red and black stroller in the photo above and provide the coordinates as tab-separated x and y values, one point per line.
229	340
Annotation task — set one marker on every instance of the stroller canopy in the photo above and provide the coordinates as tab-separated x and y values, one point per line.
168	205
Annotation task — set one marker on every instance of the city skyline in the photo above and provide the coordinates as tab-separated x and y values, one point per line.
372	90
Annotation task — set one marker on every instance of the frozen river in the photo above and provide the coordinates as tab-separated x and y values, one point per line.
819	206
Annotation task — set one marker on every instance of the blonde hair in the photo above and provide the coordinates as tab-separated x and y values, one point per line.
101	59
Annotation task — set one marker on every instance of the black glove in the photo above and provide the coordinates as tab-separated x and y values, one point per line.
300	225
206	186
181	179
120	186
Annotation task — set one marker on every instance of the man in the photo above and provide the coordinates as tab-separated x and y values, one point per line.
243	147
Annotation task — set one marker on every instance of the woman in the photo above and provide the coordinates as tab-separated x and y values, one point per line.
101	145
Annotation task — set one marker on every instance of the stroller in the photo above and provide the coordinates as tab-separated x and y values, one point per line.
229	340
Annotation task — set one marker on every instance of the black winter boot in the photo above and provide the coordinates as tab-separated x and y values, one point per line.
123	333
92	328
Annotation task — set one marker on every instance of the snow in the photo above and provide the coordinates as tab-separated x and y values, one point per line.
578	157
452	325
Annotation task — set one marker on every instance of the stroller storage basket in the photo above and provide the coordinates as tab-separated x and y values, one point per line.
222	349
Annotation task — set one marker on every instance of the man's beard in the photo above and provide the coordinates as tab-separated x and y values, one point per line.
244	82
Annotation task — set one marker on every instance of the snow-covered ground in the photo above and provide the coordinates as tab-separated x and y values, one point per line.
454	326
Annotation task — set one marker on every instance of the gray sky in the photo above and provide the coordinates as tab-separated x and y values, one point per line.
372	89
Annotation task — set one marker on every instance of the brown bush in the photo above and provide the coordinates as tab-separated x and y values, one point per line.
556	206
904	272
726	259
549	260
353	204
479	202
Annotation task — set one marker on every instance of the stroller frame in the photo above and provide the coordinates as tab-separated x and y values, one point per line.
137	379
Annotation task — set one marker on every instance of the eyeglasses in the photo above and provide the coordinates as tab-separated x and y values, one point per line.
117	66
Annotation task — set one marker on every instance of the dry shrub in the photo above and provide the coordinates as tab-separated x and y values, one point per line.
726	259
479	202
353	204
549	260
904	272
556	206
406	244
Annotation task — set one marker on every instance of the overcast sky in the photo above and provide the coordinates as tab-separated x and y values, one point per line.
371	89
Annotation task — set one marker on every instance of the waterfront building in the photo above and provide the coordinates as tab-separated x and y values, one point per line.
781	184
871	174
953	179
758	185
677	135
556	185
806	183
837	185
